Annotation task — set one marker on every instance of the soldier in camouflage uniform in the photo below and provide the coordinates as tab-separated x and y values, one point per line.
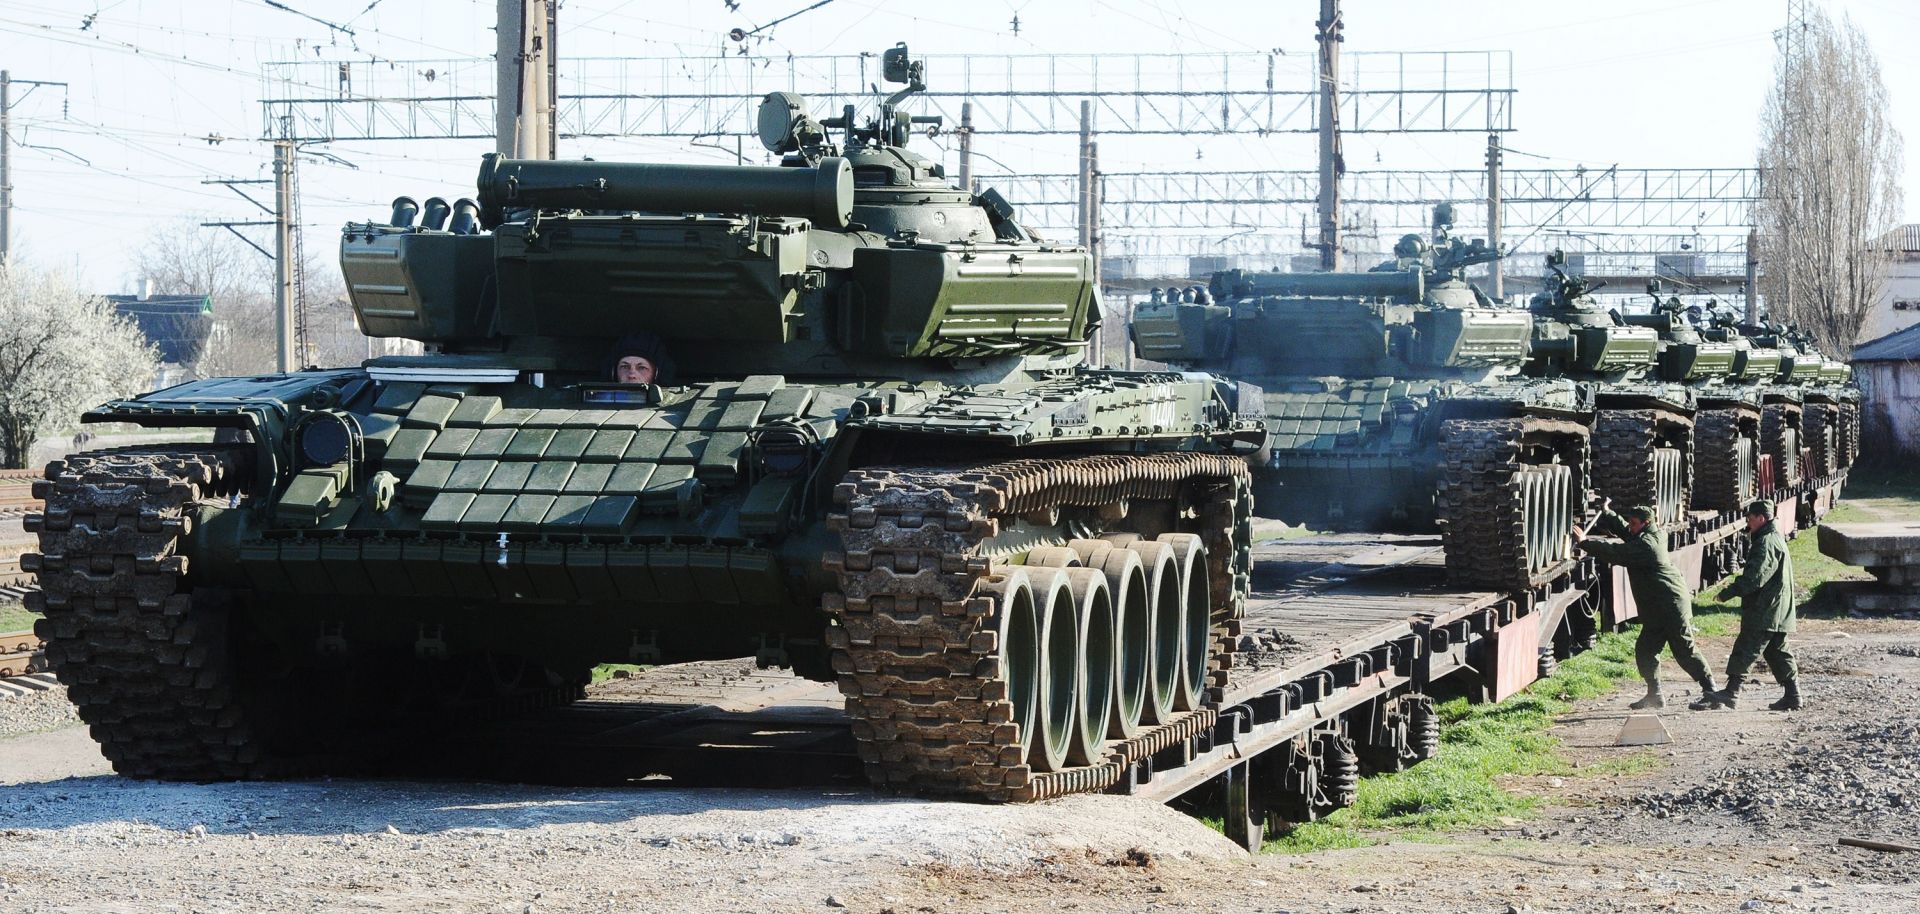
1765	589
1660	592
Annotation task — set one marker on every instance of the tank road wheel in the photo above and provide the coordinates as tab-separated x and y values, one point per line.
1822	426
1196	619
1642	457
148	660
1162	573
1510	491
1093	712
1060	669
1726	458
1780	437
1133	632
959	678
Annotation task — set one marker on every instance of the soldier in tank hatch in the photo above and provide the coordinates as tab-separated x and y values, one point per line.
640	358
1660	592
1767	615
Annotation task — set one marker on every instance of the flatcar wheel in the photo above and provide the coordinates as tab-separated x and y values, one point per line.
1245	817
1196	619
1093	605
1162	577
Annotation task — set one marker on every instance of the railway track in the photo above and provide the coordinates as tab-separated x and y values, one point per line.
21	654
16	492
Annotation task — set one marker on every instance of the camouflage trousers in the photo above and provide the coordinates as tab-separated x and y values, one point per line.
1655	636
1751	646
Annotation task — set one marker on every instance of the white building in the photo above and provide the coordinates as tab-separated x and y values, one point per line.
1899	304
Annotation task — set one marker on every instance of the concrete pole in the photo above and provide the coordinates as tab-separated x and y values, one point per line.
523	111
1495	272
1330	166
966	146
283	266
1753	276
1086	174
509	39
6	170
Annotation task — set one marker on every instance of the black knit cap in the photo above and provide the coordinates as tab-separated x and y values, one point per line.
646	346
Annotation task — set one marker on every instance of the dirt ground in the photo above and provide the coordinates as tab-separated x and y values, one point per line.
1740	812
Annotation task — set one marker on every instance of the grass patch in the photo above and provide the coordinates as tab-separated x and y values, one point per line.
1479	743
605	671
14	617
1457	788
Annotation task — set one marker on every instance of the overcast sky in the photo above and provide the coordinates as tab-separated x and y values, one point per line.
123	151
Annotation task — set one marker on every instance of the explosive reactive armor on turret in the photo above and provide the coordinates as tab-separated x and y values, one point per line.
1030	568
1386	387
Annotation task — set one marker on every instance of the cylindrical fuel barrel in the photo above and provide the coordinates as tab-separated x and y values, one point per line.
822	193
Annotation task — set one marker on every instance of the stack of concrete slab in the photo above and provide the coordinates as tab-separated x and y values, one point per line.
1891	551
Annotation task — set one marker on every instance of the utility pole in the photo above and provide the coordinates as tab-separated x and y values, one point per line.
526	91
1331	165
1086	174
1753	275
966	146
283	265
6	170
1495	273
6	165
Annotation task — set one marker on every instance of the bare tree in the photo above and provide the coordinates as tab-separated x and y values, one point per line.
61	352
1830	159
187	259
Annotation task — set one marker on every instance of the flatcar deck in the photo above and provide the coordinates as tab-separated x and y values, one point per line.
1339	627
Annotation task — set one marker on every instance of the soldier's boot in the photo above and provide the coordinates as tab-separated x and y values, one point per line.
1728	697
1789	701
1653	701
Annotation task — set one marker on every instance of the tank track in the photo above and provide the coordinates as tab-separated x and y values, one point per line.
1849	433
1624	464
1483	525
1483	528
1822	425
146	663
913	645
1777	420
1716	460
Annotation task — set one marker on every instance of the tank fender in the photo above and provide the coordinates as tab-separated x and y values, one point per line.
264	405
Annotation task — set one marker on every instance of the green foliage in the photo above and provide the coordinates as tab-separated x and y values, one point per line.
605	671
1479	743
15	617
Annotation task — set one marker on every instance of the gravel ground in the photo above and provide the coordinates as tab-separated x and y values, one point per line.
1740	812
36	712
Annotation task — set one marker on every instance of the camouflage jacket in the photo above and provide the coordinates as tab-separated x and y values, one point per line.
1660	591
1765	585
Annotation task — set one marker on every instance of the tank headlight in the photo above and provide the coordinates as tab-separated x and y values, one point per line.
325	439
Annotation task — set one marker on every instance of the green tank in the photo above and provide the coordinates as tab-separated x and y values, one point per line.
1396	402
868	450
1720	367
1643	424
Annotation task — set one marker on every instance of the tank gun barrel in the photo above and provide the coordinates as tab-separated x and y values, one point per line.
1406	285
822	193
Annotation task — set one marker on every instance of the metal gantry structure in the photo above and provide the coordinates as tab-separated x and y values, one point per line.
1625	221
1184	94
